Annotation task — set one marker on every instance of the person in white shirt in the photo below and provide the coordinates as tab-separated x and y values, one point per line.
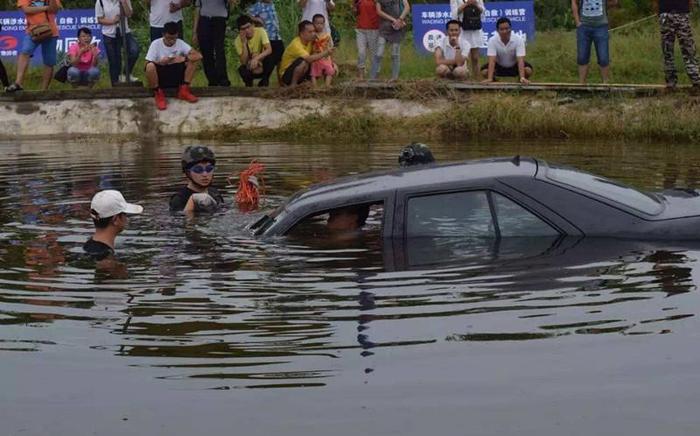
309	8
171	63
506	53
109	15
452	54
165	11
472	34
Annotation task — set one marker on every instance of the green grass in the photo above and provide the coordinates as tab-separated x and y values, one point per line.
635	58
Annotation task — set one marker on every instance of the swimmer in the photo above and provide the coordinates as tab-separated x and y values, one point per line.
198	163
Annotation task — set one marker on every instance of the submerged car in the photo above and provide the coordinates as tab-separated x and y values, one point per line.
493	198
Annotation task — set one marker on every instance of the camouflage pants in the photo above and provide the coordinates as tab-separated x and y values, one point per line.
678	26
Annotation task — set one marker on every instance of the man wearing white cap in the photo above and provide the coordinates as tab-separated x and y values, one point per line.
109	211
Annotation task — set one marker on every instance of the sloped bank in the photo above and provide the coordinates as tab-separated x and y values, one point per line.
407	113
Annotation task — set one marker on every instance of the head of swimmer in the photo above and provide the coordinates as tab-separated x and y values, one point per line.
198	163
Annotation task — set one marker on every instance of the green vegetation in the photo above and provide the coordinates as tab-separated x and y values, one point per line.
635	50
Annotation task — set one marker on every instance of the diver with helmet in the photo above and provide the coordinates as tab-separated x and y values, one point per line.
198	163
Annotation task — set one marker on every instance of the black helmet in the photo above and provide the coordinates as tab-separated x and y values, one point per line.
415	154
195	154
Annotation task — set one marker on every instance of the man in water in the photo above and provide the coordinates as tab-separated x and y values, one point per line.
109	211
198	163
348	219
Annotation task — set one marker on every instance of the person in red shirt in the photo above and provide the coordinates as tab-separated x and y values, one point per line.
367	32
37	13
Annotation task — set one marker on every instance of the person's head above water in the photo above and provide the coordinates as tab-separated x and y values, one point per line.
198	163
415	154
347	218
108	210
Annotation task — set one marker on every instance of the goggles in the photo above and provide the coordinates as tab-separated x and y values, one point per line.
199	169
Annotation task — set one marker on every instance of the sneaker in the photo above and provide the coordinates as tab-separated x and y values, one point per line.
122	78
13	88
161	102
184	93
133	78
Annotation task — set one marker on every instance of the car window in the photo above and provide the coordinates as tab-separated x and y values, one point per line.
460	214
514	220
605	188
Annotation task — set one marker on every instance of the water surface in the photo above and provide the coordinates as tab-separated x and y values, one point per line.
202	327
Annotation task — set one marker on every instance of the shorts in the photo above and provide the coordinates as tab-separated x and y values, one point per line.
585	37
48	49
170	76
506	71
472	37
289	73
322	67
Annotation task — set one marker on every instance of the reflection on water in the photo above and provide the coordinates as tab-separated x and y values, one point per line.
201	304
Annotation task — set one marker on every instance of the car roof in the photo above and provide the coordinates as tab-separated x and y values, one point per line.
367	187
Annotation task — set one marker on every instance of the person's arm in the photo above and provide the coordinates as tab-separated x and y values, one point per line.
244	57
314	57
74	55
33	10
491	69
459	58
95	55
195	24
148	4
384	15
439	58
330	5
54	6
574	12
267	50
655	5
406	10
302	3
521	70
126	7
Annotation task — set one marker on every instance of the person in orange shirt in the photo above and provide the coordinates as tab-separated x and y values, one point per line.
323	67
38	13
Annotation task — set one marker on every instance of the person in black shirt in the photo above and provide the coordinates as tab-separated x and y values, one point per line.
198	163
109	211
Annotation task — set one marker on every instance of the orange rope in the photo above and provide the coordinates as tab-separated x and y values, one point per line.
249	190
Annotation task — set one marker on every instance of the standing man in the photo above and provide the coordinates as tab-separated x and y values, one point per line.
591	17
108	211
41	32
209	32
297	58
253	48
506	53
450	56
674	22
165	11
264	14
171	63
109	15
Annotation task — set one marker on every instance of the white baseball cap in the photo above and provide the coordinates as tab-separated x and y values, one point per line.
109	202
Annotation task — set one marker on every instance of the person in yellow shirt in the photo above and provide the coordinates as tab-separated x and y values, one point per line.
297	57
254	49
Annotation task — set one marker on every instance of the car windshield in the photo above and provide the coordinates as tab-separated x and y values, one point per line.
606	188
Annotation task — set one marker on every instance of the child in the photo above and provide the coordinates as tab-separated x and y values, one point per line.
324	66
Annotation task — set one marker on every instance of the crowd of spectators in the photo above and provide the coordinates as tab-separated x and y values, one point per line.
381	25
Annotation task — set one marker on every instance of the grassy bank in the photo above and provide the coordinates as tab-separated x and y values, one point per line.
635	55
501	116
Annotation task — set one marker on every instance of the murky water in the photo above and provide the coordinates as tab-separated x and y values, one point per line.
204	328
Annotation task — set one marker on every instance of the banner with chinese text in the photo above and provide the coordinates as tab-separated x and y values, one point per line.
429	22
68	20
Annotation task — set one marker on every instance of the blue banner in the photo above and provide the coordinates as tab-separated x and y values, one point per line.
429	22
68	21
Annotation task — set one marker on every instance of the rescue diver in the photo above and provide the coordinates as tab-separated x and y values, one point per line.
198	163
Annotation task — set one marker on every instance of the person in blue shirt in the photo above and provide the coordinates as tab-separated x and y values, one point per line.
264	14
